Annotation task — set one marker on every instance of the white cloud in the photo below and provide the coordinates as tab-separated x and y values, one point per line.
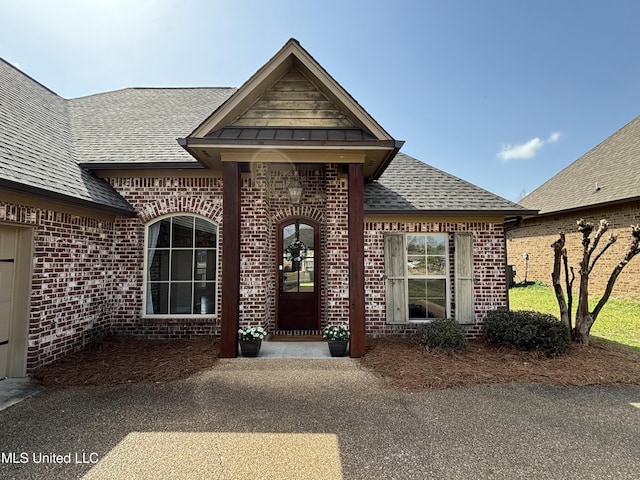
526	150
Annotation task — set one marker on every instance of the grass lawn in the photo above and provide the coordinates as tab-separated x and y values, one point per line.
619	320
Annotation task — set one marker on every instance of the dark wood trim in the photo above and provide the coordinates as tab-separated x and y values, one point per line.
356	260
318	261
230	260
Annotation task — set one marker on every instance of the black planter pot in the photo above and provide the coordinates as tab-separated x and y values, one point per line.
250	348
338	348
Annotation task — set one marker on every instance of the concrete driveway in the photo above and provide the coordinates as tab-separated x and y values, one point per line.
307	419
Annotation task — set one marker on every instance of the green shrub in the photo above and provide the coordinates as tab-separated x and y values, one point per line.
442	333
526	330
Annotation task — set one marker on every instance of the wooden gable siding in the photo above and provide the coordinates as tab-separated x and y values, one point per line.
293	101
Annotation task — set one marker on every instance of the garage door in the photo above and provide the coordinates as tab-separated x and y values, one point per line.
7	261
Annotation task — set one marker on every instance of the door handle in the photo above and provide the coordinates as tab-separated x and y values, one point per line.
6	260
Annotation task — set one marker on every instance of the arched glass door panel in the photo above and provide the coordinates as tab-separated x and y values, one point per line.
298	291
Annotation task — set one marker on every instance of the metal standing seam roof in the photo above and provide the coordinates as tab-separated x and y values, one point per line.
286	133
609	172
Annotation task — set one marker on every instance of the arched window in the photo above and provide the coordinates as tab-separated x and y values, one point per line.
181	259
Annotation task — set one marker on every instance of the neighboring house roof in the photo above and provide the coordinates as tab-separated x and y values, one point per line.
608	173
36	151
138	126
411	186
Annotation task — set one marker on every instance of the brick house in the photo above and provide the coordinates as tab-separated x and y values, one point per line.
282	203
604	183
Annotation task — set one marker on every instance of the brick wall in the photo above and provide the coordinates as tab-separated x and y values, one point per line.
312	207
490	289
154	198
264	203
70	291
337	249
536	236
89	276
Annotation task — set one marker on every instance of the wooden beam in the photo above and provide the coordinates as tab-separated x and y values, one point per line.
230	259
356	260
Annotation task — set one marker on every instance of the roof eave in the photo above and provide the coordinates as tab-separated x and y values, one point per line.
31	190
385	163
452	213
96	166
610	203
302	144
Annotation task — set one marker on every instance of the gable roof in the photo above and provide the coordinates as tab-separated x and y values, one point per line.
292	91
45	141
608	173
36	151
410	186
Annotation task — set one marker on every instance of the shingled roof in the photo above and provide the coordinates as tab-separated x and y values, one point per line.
608	173
36	151
411	186
48	145
138	126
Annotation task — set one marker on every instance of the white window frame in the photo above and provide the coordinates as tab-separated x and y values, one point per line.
446	276
144	313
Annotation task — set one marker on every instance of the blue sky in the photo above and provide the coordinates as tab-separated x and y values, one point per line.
501	93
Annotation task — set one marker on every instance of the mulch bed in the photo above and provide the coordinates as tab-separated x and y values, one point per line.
406	365
400	362
120	360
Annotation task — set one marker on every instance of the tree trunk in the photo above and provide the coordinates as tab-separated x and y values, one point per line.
583	328
584	319
558	248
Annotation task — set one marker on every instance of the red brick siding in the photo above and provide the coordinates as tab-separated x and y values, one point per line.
154	198
70	290
280	209
337	249
89	275
537	234
489	271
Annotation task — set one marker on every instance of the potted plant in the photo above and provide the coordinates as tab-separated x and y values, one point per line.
337	338
250	339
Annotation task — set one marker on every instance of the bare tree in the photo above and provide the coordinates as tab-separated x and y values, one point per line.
585	318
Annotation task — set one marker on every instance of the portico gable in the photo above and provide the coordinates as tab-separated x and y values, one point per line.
292	126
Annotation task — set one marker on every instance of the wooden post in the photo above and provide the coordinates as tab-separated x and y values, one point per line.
230	259
356	260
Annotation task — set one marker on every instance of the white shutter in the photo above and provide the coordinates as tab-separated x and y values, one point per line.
463	271
394	259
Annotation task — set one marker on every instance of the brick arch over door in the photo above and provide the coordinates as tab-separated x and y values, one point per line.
295	211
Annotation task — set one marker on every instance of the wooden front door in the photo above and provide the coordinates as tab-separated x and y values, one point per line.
298	275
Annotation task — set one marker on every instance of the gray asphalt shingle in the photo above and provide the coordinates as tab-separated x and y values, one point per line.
140	125
35	144
411	185
613	165
44	140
